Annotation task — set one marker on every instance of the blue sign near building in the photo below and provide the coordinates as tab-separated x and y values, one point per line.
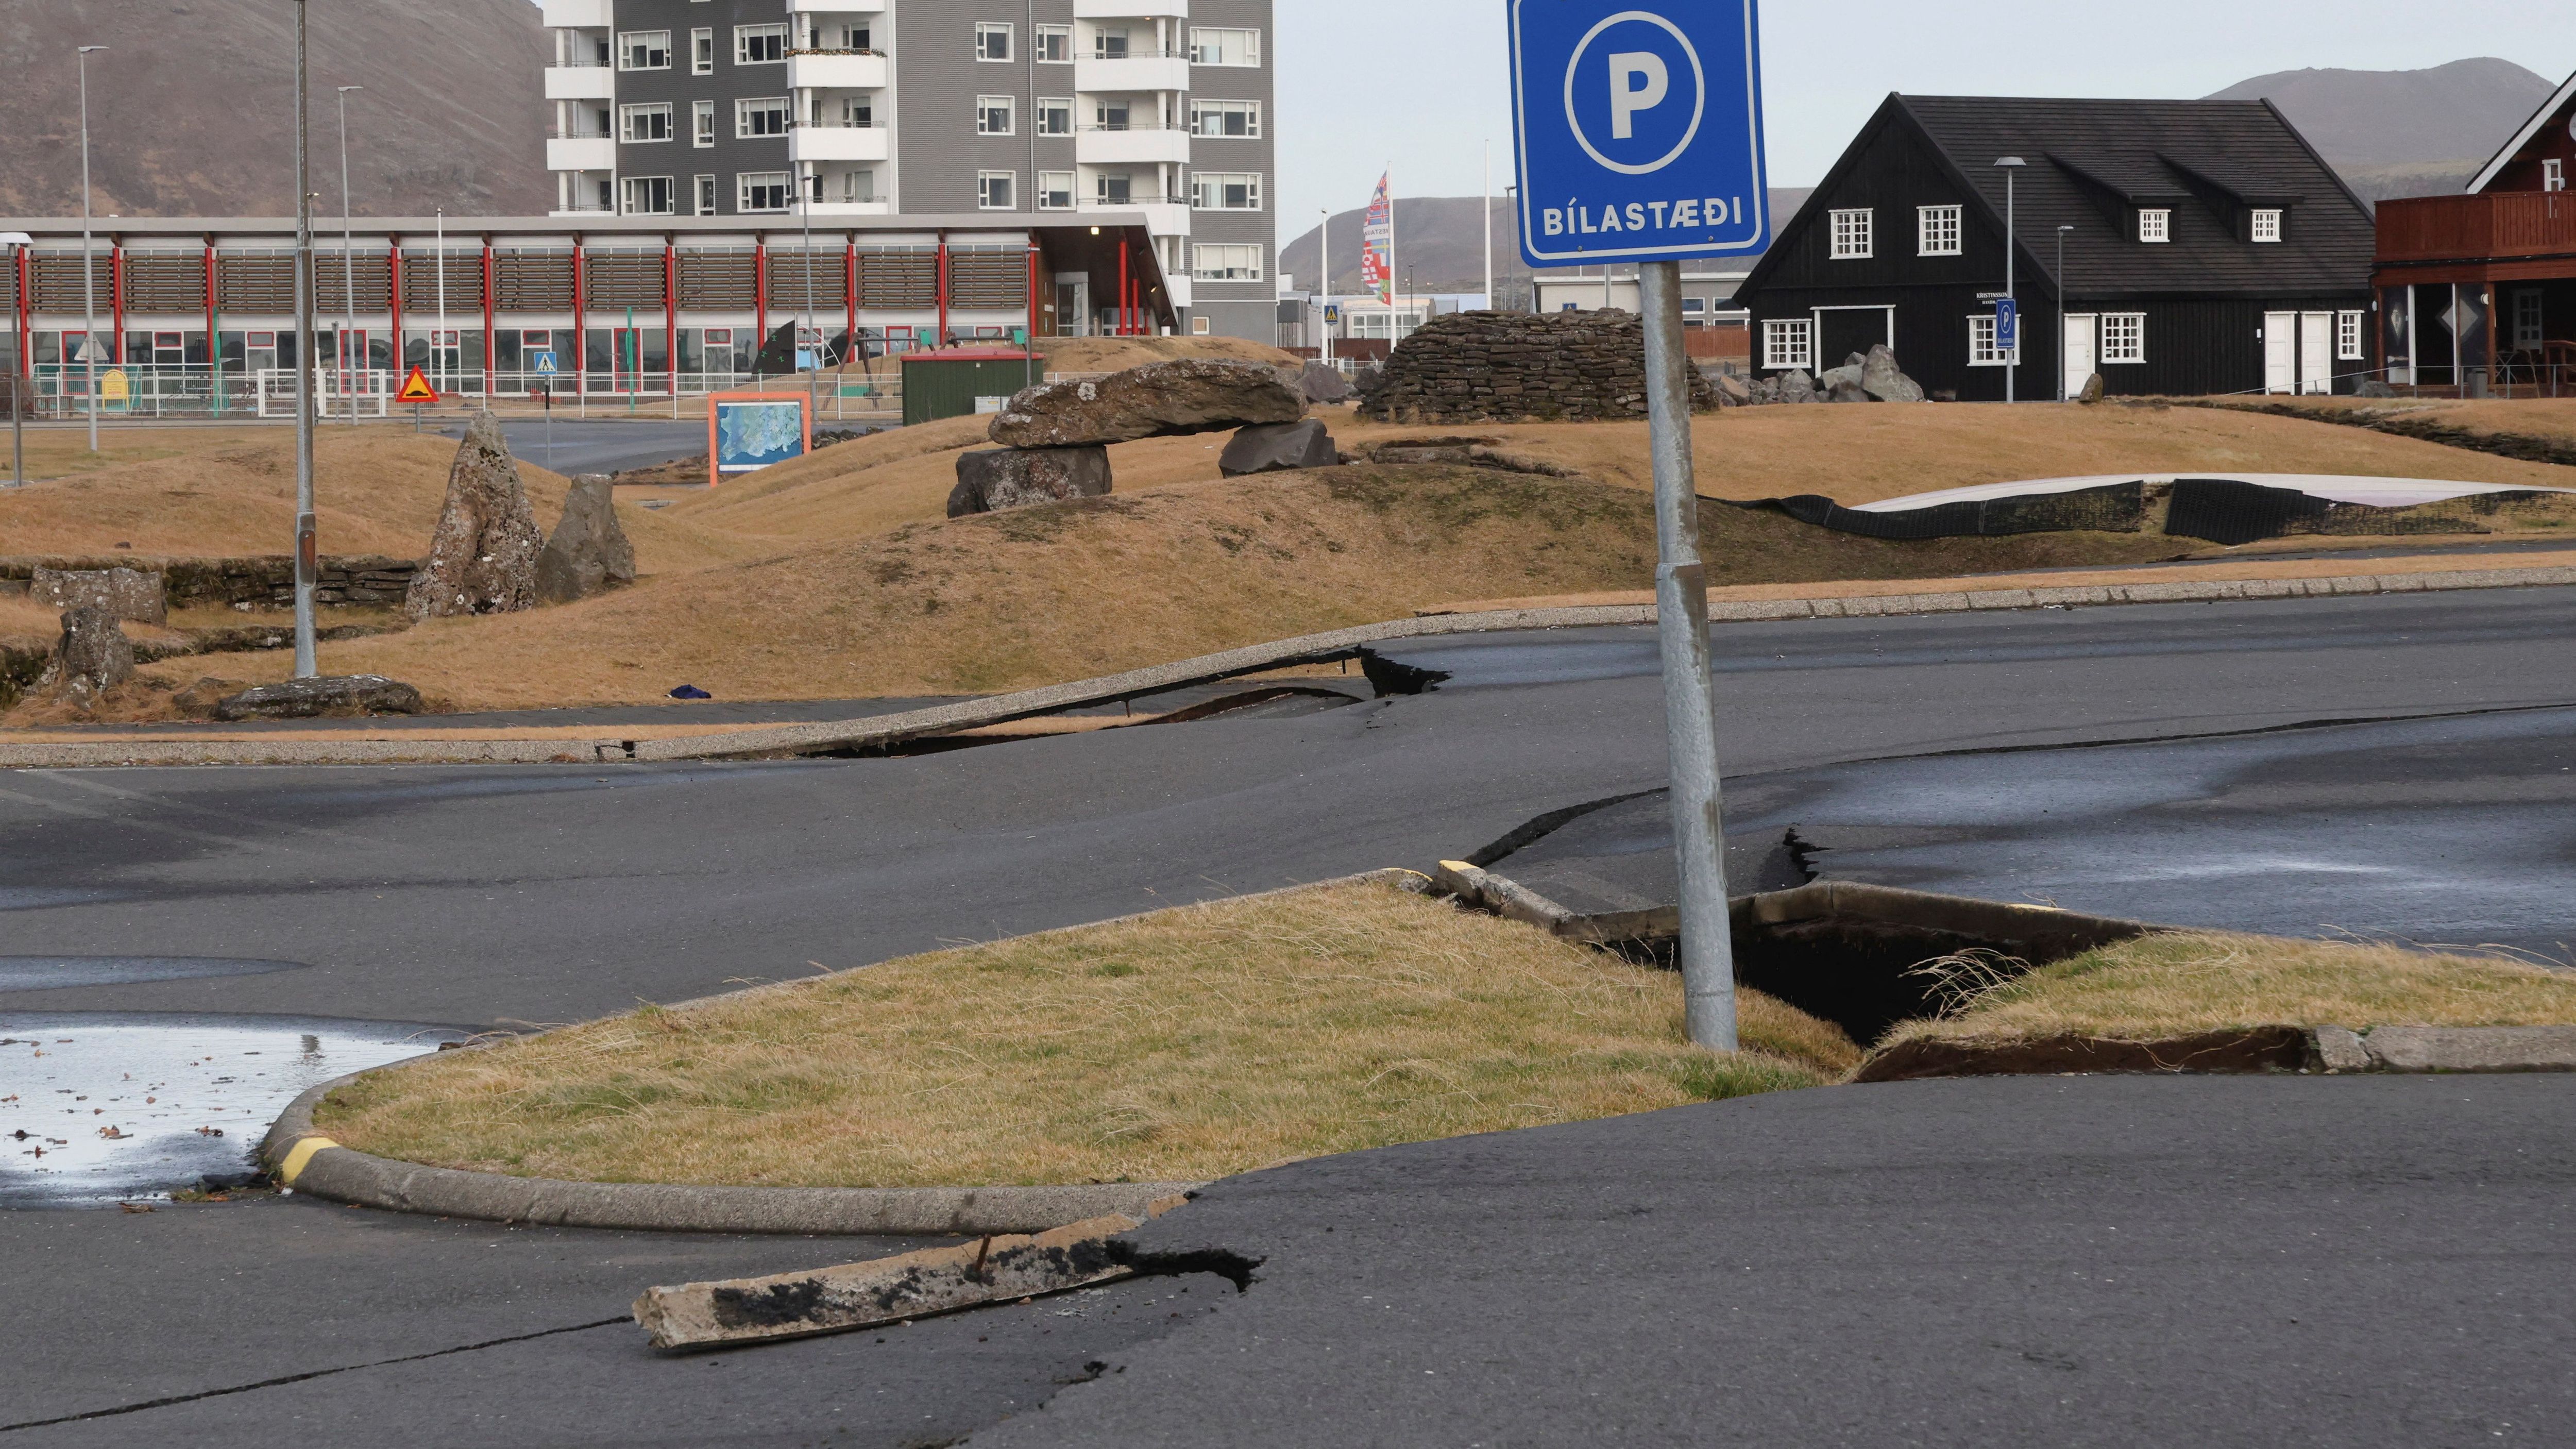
1640	130
2007	325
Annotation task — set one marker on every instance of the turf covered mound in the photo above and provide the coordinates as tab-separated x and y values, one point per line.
2227	511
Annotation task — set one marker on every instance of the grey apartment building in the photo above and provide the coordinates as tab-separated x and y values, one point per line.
827	109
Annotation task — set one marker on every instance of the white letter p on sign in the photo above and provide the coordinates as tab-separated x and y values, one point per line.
1627	97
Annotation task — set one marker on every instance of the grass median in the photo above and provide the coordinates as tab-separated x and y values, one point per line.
1185	1045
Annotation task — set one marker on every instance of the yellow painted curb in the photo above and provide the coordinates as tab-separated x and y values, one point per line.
298	1156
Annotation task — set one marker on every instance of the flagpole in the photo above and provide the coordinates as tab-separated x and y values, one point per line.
1394	290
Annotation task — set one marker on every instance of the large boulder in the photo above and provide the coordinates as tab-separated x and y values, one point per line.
589	551
1159	400
1279	448
995	479
1842	384
92	657
483	559
1731	390
1796	387
2373	387
1884	381
2092	391
137	594
337	695
1322	382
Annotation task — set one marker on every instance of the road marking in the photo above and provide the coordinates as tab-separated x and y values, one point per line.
299	1156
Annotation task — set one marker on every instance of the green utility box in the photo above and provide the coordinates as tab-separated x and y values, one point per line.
964	381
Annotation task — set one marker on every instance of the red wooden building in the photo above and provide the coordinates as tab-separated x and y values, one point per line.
2477	292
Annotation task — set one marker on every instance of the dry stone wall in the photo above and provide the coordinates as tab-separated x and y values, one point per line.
345	580
1503	366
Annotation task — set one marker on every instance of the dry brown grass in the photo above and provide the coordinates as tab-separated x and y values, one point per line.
2182	983
2552	418
1182	1046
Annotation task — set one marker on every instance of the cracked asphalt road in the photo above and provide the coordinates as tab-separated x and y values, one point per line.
473	897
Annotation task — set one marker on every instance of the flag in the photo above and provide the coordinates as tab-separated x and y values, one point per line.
1377	258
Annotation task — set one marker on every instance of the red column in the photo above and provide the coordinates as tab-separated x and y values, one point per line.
393	300
760	291
671	311
116	296
580	335
1123	273
26	353
214	340
491	330
943	291
1033	294
850	289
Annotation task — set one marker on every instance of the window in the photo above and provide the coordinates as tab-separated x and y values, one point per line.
996	116
1226	118
760	191
1109	42
2267	224
2155	224
702	52
859	188
702	123
2124	337
1787	343
2553	175
644	50
1055	44
992	40
2348	334
760	45
1226	262
1115	190
2528	333
1936	231
646	195
644	123
1982	351
1055	117
993	189
1109	116
1200	326
1855	235
706	196
766	116
858	113
1225	191
1055	191
1225	47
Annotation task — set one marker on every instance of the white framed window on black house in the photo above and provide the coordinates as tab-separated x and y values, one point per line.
2124	337
644	50
992	41
1937	231
2155	224
1225	191
1055	115
997	190
644	123
1225	47
1225	262
1055	44
1855	235
760	191
1788	343
2553	175
996	116
1055	191
1982	351
2266	226
763	116
1226	119
760	45
2348	337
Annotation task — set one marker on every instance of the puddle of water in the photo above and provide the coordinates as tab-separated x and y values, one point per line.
44	973
37	898
102	1107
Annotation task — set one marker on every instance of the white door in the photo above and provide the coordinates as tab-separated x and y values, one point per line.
2280	352
2316	352
2083	335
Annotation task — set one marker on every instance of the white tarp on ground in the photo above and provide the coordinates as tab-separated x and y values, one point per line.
2374	492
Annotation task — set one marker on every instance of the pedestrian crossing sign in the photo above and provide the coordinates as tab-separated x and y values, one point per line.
416	389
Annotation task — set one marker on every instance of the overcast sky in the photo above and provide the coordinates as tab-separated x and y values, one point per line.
1421	82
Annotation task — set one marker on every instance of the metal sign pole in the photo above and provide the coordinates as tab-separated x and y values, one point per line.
307	560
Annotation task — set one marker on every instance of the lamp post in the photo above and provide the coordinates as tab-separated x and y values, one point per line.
2010	166
438	339
307	561
2061	311
1324	267
15	243
348	262
89	280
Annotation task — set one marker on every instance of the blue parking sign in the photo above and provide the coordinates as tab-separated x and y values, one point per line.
1639	129
2007	325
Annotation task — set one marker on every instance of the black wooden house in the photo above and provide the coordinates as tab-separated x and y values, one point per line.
2207	249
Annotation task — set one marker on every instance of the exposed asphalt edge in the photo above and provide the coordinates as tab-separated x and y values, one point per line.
785	741
2331	1050
301	1159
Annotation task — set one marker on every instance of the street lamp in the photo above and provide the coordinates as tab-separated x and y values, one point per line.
89	282
2010	166
15	243
2061	311
348	262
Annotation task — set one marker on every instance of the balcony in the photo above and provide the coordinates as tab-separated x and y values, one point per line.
836	7
581	153
852	208
1131	9
1131	73
580	14
829	70
840	143
580	83
2502	226
1105	146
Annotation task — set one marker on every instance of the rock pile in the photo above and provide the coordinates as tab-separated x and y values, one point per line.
1055	439
589	551
1872	376
1498	366
483	559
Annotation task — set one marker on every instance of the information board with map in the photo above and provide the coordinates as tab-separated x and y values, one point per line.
749	431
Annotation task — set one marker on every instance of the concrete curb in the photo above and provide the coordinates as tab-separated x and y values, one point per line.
788	741
2326	1050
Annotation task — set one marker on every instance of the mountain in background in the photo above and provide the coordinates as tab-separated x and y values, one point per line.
2399	133
192	109
1440	246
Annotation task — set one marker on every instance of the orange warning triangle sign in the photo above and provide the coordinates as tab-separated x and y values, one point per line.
416	389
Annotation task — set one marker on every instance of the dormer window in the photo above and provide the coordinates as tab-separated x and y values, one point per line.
2155	224
2267	224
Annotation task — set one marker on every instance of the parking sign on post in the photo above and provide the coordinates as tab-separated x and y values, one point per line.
1639	128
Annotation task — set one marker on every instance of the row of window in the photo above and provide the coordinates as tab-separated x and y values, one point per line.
2120	338
757	191
767	116
1852	233
994	41
1222	120
752	45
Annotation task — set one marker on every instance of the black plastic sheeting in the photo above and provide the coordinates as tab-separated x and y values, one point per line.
2115	508
2225	511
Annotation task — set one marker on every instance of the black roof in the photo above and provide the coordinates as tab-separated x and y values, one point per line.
2092	161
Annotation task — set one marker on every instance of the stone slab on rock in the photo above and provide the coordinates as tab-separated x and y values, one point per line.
993	480
92	656
483	559
1160	400
337	696
1322	382
1279	448
1884	381
138	594
589	552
